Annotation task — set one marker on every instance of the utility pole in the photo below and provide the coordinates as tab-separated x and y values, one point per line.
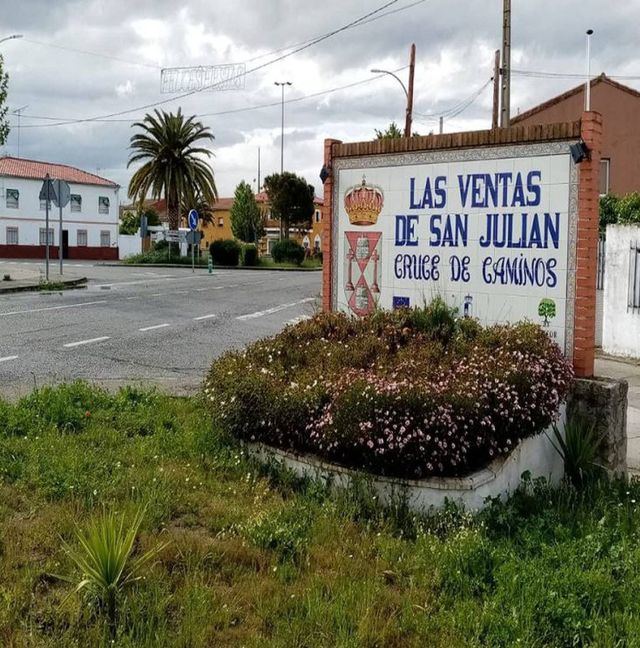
505	102
412	70
258	191
496	90
441	125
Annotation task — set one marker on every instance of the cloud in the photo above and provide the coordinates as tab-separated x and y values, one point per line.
455	43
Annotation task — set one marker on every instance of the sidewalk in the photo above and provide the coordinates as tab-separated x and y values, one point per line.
629	370
30	276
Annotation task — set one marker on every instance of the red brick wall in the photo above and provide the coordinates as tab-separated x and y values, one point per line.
587	248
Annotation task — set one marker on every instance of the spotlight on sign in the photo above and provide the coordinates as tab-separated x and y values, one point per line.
324	174
579	152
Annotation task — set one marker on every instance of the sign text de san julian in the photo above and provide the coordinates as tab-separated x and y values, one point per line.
515	224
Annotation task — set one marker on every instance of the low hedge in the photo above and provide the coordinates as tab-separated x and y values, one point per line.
410	393
250	255
225	252
287	251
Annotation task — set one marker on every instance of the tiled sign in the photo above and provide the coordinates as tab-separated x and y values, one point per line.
491	236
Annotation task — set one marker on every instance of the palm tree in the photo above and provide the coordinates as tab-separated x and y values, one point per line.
173	164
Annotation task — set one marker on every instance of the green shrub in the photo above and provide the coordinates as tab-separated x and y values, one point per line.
225	252
579	448
288	251
629	209
249	255
411	393
161	246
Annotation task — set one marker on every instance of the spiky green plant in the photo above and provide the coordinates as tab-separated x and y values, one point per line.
104	558
579	448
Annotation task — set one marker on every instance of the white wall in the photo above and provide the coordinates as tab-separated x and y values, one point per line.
621	326
129	244
29	218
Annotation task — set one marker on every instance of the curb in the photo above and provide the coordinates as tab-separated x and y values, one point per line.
203	267
69	284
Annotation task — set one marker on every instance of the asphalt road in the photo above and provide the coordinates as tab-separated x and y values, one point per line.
159	326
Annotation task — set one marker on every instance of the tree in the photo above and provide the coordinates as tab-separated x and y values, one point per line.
291	200
247	220
130	221
393	132
4	122
173	161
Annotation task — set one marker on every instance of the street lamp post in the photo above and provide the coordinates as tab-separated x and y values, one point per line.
12	37
282	85
408	93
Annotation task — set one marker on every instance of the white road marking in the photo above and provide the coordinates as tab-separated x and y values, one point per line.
275	309
153	328
203	317
156	294
82	342
137	281
50	308
7	358
297	320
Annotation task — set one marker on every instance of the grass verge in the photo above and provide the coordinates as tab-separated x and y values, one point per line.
258	558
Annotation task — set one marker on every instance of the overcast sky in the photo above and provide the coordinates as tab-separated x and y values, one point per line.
455	41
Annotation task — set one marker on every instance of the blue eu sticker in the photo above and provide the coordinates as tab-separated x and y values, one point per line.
400	302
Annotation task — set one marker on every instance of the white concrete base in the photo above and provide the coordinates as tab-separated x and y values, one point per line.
536	455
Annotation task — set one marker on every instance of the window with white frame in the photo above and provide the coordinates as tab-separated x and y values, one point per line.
605	170
43	204
105	238
103	205
82	238
317	243
75	203
43	236
220	221
12	236
13	199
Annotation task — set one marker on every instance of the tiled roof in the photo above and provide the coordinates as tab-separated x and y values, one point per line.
263	198
34	170
602	78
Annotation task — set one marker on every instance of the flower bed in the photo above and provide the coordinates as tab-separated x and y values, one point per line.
410	393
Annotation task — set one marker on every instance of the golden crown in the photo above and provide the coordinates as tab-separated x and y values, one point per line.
363	204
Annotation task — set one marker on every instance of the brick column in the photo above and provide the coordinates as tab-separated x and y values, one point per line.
327	229
587	247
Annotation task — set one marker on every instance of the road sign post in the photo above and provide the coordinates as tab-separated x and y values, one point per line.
62	197
193	226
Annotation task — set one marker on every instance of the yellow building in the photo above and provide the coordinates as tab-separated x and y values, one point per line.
220	228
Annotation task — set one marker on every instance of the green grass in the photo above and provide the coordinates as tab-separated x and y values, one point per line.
255	557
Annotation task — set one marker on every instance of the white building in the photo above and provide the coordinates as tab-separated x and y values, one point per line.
89	221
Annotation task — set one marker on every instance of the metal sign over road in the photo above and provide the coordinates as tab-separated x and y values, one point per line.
193	219
203	77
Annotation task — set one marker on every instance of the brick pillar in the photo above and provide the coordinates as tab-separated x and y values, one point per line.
327	229
587	247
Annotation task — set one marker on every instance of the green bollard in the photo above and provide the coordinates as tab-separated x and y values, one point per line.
210	264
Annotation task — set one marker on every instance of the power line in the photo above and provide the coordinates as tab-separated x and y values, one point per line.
89	53
234	110
213	85
568	75
360	24
119	59
457	108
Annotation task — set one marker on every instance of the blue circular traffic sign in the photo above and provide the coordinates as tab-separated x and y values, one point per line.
193	219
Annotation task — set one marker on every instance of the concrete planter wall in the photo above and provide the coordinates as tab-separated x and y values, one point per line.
501	477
